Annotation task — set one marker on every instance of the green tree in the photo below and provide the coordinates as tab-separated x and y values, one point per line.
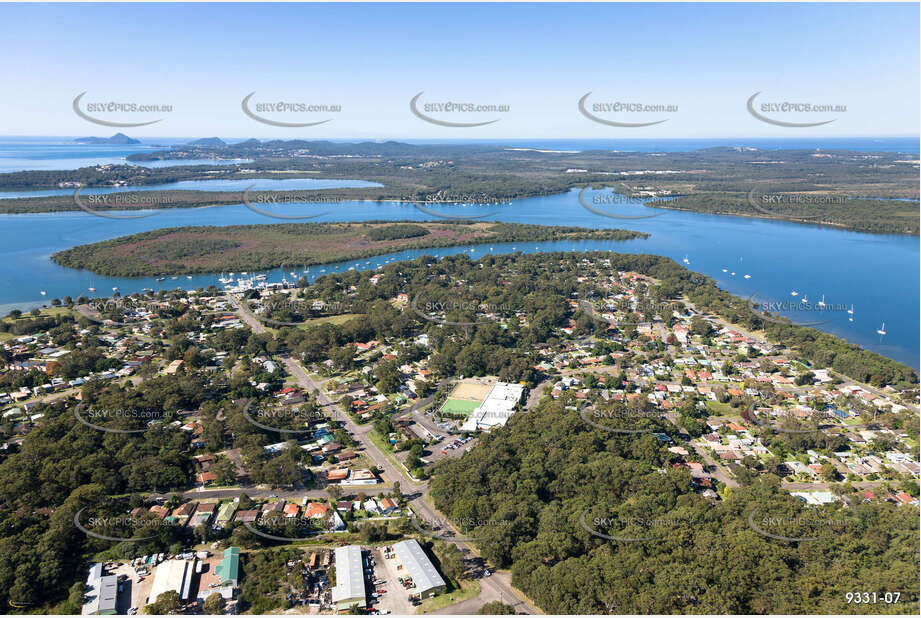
214	604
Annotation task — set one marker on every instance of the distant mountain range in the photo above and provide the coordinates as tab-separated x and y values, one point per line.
118	138
208	142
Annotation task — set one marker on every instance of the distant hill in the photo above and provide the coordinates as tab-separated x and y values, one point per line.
118	138
208	142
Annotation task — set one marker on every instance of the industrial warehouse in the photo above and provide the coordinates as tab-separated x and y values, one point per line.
101	592
349	590
423	573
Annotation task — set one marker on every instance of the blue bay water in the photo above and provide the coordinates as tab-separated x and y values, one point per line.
256	184
877	274
24	153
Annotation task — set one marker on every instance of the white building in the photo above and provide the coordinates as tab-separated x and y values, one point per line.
101	593
173	575
425	576
349	590
497	407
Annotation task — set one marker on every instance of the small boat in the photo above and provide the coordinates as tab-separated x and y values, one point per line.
851	310
162	278
188	276
748	276
174	278
114	289
805	300
686	260
850	319
882	329
43	293
794	293
732	274
92	289
725	270
821	303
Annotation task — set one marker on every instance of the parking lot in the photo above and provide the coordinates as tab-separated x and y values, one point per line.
133	588
450	447
395	600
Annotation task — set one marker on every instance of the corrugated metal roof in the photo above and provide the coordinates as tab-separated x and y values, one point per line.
350	578
102	593
411	555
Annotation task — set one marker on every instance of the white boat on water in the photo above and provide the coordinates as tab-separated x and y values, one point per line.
851	310
794	293
686	260
43	293
882	329
732	274
748	276
188	276
725	270
821	303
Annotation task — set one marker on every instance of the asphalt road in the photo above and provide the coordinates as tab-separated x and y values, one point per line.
497	586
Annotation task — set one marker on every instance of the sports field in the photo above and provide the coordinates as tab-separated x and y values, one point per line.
459	406
466	396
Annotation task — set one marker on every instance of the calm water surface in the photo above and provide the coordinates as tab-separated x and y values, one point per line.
877	274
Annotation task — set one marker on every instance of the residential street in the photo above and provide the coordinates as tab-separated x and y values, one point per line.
497	586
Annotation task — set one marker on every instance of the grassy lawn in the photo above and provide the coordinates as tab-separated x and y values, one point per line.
46	312
333	319
721	409
468	590
459	406
380	442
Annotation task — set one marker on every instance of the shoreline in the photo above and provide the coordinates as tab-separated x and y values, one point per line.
68	204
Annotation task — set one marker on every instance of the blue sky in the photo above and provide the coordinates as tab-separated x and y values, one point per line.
538	59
